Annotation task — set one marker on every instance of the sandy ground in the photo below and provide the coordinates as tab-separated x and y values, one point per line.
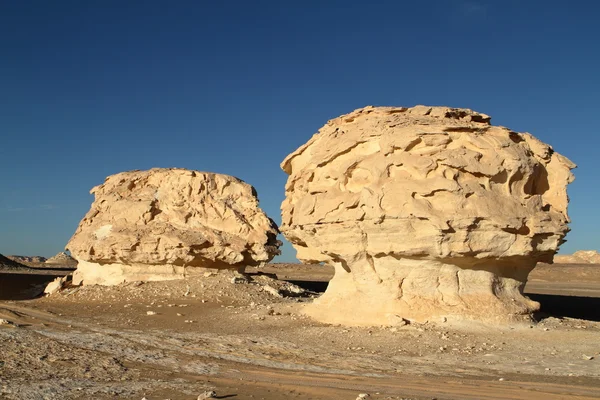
247	340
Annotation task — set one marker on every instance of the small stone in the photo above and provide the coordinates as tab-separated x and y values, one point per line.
588	357
55	285
150	312
401	321
362	396
4	321
239	279
295	289
271	290
211	394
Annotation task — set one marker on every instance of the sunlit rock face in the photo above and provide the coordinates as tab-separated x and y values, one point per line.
426	213
164	223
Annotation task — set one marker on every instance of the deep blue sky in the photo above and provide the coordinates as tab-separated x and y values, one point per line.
92	88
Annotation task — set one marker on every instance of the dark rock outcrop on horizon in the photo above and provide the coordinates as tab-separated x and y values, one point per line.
8	265
28	260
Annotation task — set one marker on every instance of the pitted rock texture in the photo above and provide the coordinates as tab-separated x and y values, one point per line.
425	212
579	257
156	224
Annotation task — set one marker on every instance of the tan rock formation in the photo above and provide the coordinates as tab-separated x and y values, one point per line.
579	257
425	213
163	223
56	285
63	259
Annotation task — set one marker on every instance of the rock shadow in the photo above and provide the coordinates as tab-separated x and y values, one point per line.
312	286
560	306
23	286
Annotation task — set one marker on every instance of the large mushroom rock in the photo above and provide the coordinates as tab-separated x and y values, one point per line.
426	213
162	223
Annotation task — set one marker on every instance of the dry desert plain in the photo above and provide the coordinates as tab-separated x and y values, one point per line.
247	339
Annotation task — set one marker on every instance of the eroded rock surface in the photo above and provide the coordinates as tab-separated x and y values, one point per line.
425	212
579	257
163	223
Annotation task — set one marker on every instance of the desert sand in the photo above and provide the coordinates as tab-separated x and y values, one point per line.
249	340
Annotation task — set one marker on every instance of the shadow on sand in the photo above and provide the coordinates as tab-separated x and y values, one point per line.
561	306
24	286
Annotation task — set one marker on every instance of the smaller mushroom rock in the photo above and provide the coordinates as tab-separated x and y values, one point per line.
164	223
425	213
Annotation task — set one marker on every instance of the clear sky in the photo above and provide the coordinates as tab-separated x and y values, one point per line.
92	88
